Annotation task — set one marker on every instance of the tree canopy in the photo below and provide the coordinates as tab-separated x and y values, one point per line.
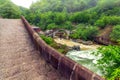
62	5
9	10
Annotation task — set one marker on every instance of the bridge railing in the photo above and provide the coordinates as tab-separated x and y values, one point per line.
67	67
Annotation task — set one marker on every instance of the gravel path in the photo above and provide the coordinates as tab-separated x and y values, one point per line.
19	59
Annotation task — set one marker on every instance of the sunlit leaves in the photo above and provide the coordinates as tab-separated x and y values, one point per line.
110	60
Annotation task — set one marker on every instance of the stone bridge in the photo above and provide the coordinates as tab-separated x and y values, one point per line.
61	33
25	56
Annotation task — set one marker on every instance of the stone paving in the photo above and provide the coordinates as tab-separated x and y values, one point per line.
19	60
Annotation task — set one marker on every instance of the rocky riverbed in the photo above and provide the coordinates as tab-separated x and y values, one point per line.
70	43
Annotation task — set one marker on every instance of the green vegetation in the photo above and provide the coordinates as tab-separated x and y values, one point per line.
115	35
48	40
9	10
61	48
84	32
98	13
107	20
110	61
66	14
62	5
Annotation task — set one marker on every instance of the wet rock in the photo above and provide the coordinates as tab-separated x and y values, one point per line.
84	42
76	47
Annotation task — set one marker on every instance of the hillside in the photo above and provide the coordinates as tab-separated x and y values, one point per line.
50	14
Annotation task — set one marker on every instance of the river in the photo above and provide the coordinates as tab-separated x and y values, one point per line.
85	56
71	44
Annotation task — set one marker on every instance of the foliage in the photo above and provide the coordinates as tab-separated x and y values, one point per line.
51	26
85	32
80	17
107	20
115	74
110	61
61	48
62	5
45	13
115	35
60	18
48	40
9	10
2	2
68	25
24	11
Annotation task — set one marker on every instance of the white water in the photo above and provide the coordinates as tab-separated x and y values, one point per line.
87	59
84	57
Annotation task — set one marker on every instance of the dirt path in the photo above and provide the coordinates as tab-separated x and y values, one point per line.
19	60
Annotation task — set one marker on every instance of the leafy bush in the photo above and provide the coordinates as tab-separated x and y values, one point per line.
9	10
115	35
75	35
68	25
85	32
60	18
61	48
107	20
48	40
52	26
62	5
110	61
80	17
115	74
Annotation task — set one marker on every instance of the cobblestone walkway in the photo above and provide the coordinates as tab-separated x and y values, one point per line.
19	60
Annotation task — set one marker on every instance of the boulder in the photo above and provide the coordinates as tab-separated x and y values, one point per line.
76	47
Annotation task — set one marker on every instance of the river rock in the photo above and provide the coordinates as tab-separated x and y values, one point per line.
76	47
84	42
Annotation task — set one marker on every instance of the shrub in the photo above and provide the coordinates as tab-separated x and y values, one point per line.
115	35
48	40
110	60
52	26
61	48
85	32
68	25
80	17
107	20
9	10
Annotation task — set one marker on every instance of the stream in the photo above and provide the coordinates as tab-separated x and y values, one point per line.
86	59
85	56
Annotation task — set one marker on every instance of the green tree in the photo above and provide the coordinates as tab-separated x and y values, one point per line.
109	61
60	5
85	32
60	18
115	35
68	25
107	20
9	10
80	17
52	26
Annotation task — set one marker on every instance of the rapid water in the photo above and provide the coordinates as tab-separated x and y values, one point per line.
87	59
